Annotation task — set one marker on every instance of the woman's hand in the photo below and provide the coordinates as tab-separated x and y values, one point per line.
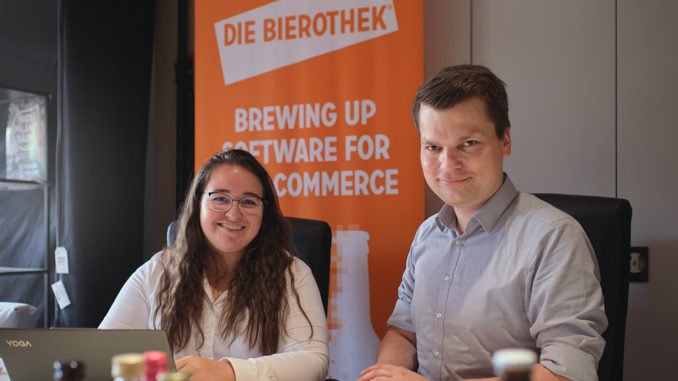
202	369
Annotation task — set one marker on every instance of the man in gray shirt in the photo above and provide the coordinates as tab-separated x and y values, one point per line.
495	268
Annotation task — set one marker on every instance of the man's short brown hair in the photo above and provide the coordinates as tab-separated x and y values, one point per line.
456	84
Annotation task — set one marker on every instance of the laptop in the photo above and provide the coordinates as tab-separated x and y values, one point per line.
29	354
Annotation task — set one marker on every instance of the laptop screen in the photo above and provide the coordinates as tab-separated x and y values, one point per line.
29	354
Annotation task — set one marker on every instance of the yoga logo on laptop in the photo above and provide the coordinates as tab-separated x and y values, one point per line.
19	343
286	32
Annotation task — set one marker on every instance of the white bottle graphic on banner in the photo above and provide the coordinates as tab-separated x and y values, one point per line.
353	342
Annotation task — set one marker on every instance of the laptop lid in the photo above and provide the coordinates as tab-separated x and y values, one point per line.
29	354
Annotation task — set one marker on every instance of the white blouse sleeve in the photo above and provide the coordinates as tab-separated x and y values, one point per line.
302	356
132	307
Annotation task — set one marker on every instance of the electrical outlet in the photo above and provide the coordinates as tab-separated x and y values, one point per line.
639	266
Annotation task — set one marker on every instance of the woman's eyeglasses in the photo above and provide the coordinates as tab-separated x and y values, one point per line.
222	202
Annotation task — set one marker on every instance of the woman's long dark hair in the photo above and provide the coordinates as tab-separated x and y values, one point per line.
256	304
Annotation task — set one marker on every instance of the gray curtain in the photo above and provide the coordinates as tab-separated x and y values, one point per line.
107	51
28	62
101	54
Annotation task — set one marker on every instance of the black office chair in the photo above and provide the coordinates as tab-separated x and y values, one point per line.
607	223
313	241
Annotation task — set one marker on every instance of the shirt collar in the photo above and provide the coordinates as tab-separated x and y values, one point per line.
487	215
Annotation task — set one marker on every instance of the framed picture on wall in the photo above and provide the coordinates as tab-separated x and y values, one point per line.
23	135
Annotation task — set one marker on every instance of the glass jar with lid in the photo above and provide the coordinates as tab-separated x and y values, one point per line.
128	367
513	364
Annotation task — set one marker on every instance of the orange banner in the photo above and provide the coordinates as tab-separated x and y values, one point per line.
320	92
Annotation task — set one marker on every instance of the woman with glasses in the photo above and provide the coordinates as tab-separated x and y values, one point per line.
233	300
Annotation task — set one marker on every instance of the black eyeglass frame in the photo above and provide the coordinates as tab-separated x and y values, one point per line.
233	200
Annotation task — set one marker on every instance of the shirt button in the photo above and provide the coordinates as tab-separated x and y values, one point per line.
439	315
436	353
447	277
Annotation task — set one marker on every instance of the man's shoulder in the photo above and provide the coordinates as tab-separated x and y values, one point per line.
430	225
429	233
531	209
535	223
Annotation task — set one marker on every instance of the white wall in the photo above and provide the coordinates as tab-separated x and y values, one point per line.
648	170
558	64
592	100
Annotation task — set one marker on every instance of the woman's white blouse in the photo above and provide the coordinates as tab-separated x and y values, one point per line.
301	356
